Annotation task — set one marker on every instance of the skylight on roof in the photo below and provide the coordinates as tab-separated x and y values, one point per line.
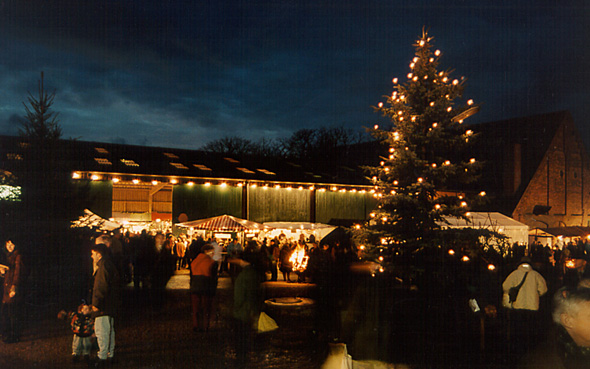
129	163
178	165
13	156
171	155
245	170
266	172
101	150
232	160
202	167
103	161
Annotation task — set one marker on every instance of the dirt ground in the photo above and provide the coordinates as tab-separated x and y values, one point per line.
147	338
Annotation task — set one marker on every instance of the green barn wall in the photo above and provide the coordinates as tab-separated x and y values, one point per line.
200	201
275	205
99	196
338	205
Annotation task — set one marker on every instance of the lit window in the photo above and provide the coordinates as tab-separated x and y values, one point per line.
129	163
202	167
246	170
13	156
178	165
232	160
171	155
103	161
101	150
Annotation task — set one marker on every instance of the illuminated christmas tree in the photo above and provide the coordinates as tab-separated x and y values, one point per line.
423	176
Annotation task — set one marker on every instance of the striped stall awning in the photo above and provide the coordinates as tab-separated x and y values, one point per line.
226	223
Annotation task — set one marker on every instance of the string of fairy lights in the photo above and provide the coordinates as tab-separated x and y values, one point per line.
424	118
152	180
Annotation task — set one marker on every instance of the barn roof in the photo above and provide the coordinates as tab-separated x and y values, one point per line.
167	162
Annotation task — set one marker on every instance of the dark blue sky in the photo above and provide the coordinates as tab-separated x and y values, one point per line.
183	73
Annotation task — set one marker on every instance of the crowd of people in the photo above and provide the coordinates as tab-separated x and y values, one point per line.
147	262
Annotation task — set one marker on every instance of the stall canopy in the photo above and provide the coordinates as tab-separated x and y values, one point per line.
515	230
558	235
223	223
93	221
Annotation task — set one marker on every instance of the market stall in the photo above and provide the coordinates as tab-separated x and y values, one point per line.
224	226
95	222
295	229
497	222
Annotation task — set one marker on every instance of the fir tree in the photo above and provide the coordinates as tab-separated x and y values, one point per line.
419	181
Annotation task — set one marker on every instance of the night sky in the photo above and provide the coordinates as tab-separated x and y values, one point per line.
183	73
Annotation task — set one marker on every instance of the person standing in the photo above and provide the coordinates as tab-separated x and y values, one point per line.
12	296
105	302
203	285
234	250
523	312
247	300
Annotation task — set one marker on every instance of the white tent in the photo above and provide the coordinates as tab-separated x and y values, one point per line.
93	221
515	230
294	229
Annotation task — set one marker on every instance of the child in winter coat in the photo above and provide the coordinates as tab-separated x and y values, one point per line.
83	328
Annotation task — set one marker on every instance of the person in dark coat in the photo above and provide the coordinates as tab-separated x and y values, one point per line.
286	266
203	285
13	293
247	303
106	301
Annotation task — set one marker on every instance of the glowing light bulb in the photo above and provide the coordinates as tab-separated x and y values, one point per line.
491	267
437	206
455	82
469	132
415	60
463	204
394	80
420	179
415	78
465	258
410	75
434	125
469	102
432	103
380	105
472	160
482	193
451	252
449	108
412	65
437	53
376	126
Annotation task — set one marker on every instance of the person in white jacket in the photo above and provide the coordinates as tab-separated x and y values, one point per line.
523	316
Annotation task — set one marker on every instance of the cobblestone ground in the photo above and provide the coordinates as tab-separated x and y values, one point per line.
162	339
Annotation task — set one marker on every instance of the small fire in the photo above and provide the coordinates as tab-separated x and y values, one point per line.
299	260
570	264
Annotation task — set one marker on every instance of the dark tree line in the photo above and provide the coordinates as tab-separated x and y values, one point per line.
304	144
